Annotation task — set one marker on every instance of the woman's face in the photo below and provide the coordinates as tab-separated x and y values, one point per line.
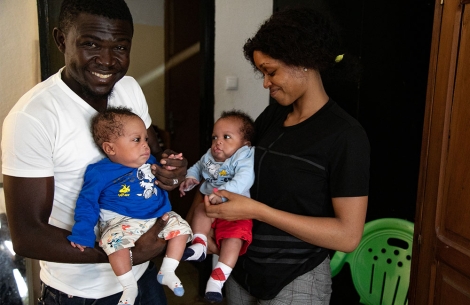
286	84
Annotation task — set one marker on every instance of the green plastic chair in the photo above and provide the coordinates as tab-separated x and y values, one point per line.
380	265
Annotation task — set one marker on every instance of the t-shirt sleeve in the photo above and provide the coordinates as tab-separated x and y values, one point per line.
27	150
350	163
132	96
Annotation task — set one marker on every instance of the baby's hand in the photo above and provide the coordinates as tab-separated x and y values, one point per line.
215	199
187	185
82	248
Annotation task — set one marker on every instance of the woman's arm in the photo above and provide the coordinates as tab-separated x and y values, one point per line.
342	232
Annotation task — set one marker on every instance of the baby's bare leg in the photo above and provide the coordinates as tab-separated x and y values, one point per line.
121	263
201	226
175	247
230	250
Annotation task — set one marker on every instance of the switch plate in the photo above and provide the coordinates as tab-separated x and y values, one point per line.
231	83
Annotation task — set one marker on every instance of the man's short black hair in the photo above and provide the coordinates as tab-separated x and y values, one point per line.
112	9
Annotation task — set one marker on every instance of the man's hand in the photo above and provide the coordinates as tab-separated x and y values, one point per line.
173	157
149	245
172	172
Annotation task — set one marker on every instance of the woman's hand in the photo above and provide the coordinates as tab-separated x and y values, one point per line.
172	172
342	232
237	207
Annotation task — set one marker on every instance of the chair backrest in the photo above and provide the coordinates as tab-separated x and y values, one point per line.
380	265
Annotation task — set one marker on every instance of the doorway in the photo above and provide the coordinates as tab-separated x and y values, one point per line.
189	82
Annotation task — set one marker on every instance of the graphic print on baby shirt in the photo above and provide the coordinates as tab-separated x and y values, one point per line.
144	173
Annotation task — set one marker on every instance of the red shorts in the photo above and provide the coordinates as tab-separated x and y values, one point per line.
233	229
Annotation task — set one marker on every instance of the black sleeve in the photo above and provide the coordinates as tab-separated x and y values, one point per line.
349	164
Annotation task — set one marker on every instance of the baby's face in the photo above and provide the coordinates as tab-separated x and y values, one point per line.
227	138
131	149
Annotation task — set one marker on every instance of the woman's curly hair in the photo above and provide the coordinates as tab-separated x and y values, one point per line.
300	37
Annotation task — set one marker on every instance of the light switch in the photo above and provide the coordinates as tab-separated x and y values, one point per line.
231	83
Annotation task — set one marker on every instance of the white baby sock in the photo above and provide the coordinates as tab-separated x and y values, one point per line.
130	289
198	249
167	276
217	280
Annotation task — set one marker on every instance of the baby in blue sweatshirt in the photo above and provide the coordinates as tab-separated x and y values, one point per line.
119	193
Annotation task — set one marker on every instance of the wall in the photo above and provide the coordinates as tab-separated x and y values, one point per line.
147	54
19	55
235	22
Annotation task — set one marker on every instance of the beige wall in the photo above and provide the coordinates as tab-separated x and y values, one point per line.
235	22
19	54
147	60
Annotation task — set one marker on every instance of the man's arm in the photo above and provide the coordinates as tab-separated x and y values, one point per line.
29	205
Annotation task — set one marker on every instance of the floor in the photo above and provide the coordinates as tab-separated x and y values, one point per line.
189	276
189	273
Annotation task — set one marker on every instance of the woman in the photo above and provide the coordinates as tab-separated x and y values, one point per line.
311	166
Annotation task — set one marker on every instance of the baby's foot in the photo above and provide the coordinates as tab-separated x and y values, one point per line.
197	251
170	279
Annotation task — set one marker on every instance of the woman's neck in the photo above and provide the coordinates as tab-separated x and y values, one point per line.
309	103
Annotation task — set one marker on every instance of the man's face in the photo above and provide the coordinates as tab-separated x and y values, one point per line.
96	51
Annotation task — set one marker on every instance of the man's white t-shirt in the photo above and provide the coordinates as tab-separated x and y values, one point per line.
47	133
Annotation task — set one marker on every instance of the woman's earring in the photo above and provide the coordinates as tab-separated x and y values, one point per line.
305	69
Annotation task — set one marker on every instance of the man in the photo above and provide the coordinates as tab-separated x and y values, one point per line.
47	145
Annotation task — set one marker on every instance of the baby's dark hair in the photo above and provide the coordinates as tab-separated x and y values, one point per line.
108	125
301	37
112	9
248	125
